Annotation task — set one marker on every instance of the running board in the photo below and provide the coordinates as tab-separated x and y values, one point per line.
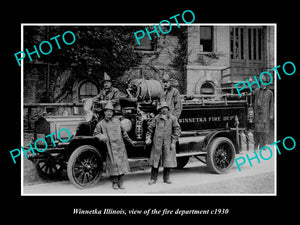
137	159
190	154
186	154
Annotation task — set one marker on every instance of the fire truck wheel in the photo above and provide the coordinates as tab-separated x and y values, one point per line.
181	162
85	166
220	155
49	167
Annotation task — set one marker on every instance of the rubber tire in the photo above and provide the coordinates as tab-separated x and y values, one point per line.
210	155
75	154
182	161
53	175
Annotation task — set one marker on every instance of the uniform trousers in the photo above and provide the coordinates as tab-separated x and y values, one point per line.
154	173
260	139
117	178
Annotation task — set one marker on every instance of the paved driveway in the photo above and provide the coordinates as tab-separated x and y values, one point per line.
194	179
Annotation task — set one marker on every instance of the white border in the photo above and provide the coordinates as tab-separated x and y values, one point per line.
150	24
22	111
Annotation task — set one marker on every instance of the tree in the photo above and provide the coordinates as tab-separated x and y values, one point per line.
96	49
179	62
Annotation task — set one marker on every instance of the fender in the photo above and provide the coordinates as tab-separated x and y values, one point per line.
77	141
220	133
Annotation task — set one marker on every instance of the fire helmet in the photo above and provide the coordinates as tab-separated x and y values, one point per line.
109	105
162	105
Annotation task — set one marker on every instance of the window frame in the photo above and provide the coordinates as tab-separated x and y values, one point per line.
212	86
81	85
152	42
212	40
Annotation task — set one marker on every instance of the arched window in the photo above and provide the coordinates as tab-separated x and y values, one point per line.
207	88
88	89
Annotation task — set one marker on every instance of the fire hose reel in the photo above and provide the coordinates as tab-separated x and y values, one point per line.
145	89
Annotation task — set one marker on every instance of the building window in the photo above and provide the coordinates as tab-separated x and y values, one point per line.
237	48
207	88
87	89
255	39
206	38
146	45
246	43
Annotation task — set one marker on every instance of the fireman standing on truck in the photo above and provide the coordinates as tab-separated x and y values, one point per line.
263	113
108	93
110	131
165	130
172	96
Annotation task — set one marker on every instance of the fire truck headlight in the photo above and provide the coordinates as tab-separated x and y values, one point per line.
126	124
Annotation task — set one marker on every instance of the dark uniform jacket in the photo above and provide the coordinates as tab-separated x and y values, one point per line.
172	97
263	109
165	130
116	158
112	94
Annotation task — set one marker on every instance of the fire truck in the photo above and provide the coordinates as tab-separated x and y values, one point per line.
211	132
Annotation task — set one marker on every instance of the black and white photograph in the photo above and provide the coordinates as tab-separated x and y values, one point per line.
138	111
105	113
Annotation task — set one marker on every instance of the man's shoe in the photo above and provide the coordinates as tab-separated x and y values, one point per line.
168	181
152	182
121	186
115	186
121	182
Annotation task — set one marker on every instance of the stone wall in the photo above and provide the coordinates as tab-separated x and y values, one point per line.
206	66
156	63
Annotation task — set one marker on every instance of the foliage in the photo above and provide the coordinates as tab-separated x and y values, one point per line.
96	49
180	60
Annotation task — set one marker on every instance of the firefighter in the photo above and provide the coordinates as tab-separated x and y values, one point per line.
263	113
172	96
110	131
108	93
165	130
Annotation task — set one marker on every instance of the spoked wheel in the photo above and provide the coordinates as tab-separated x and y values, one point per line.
85	166
49	167
220	155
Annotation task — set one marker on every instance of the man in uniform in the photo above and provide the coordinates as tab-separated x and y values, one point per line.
108	93
263	113
165	131
172	96
110	131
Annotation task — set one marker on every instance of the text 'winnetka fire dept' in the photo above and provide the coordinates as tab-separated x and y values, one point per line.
205	119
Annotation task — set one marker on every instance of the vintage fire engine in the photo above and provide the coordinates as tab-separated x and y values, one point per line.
210	124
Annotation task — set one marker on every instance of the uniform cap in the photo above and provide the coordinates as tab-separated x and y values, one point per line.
109	105
106	77
265	78
162	105
166	77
